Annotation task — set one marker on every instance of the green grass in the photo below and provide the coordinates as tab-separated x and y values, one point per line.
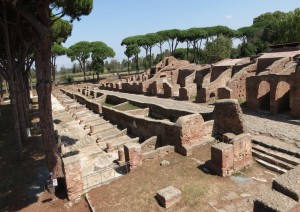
127	107
108	104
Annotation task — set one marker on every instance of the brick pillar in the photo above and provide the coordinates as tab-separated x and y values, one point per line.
133	155
74	180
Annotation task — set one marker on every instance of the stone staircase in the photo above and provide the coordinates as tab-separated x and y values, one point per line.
283	158
274	154
107	136
284	195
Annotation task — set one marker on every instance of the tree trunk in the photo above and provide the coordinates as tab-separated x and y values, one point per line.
16	121
128	65
25	97
84	79
6	86
53	69
161	56
12	82
150	59
1	89
195	51
43	74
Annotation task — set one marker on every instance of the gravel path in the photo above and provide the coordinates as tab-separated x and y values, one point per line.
281	127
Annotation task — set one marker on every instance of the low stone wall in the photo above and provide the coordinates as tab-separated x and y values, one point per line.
156	111
187	130
158	153
139	112
228	158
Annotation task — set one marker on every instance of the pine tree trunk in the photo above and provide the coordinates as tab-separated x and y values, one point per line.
19	145
43	74
1	89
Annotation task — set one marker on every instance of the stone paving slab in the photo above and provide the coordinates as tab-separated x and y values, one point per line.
274	201
289	184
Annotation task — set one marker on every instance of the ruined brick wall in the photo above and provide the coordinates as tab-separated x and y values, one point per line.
238	82
225	93
186	93
73	178
94	106
202	77
242	150
295	94
187	130
167	90
183	73
211	89
156	111
158	153
191	128
228	118
228	158
278	65
263	63
143	127
217	71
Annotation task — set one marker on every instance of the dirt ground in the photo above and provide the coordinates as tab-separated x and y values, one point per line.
17	176
201	191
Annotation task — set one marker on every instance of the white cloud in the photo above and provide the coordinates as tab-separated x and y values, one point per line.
228	17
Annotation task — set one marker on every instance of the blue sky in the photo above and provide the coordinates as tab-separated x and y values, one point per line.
113	20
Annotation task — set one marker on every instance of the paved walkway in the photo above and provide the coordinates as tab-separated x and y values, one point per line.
281	127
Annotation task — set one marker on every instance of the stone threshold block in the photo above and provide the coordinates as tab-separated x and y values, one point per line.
168	196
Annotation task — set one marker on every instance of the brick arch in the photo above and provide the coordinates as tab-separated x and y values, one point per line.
263	95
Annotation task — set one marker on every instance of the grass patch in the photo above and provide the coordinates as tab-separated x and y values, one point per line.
126	107
108	104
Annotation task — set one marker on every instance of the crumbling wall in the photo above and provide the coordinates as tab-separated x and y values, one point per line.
228	118
73	177
238	82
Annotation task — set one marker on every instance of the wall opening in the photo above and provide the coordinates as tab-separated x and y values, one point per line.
263	96
282	97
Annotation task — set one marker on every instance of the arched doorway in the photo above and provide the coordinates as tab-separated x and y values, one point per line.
263	96
282	97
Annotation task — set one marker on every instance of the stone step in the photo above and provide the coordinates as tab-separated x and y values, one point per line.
272	200
289	184
98	121
103	127
83	120
272	160
102	137
271	166
281	156
85	115
98	125
115	143
277	145
79	112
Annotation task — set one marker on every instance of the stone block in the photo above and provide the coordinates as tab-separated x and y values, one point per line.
168	196
228	117
242	150
222	159
133	155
